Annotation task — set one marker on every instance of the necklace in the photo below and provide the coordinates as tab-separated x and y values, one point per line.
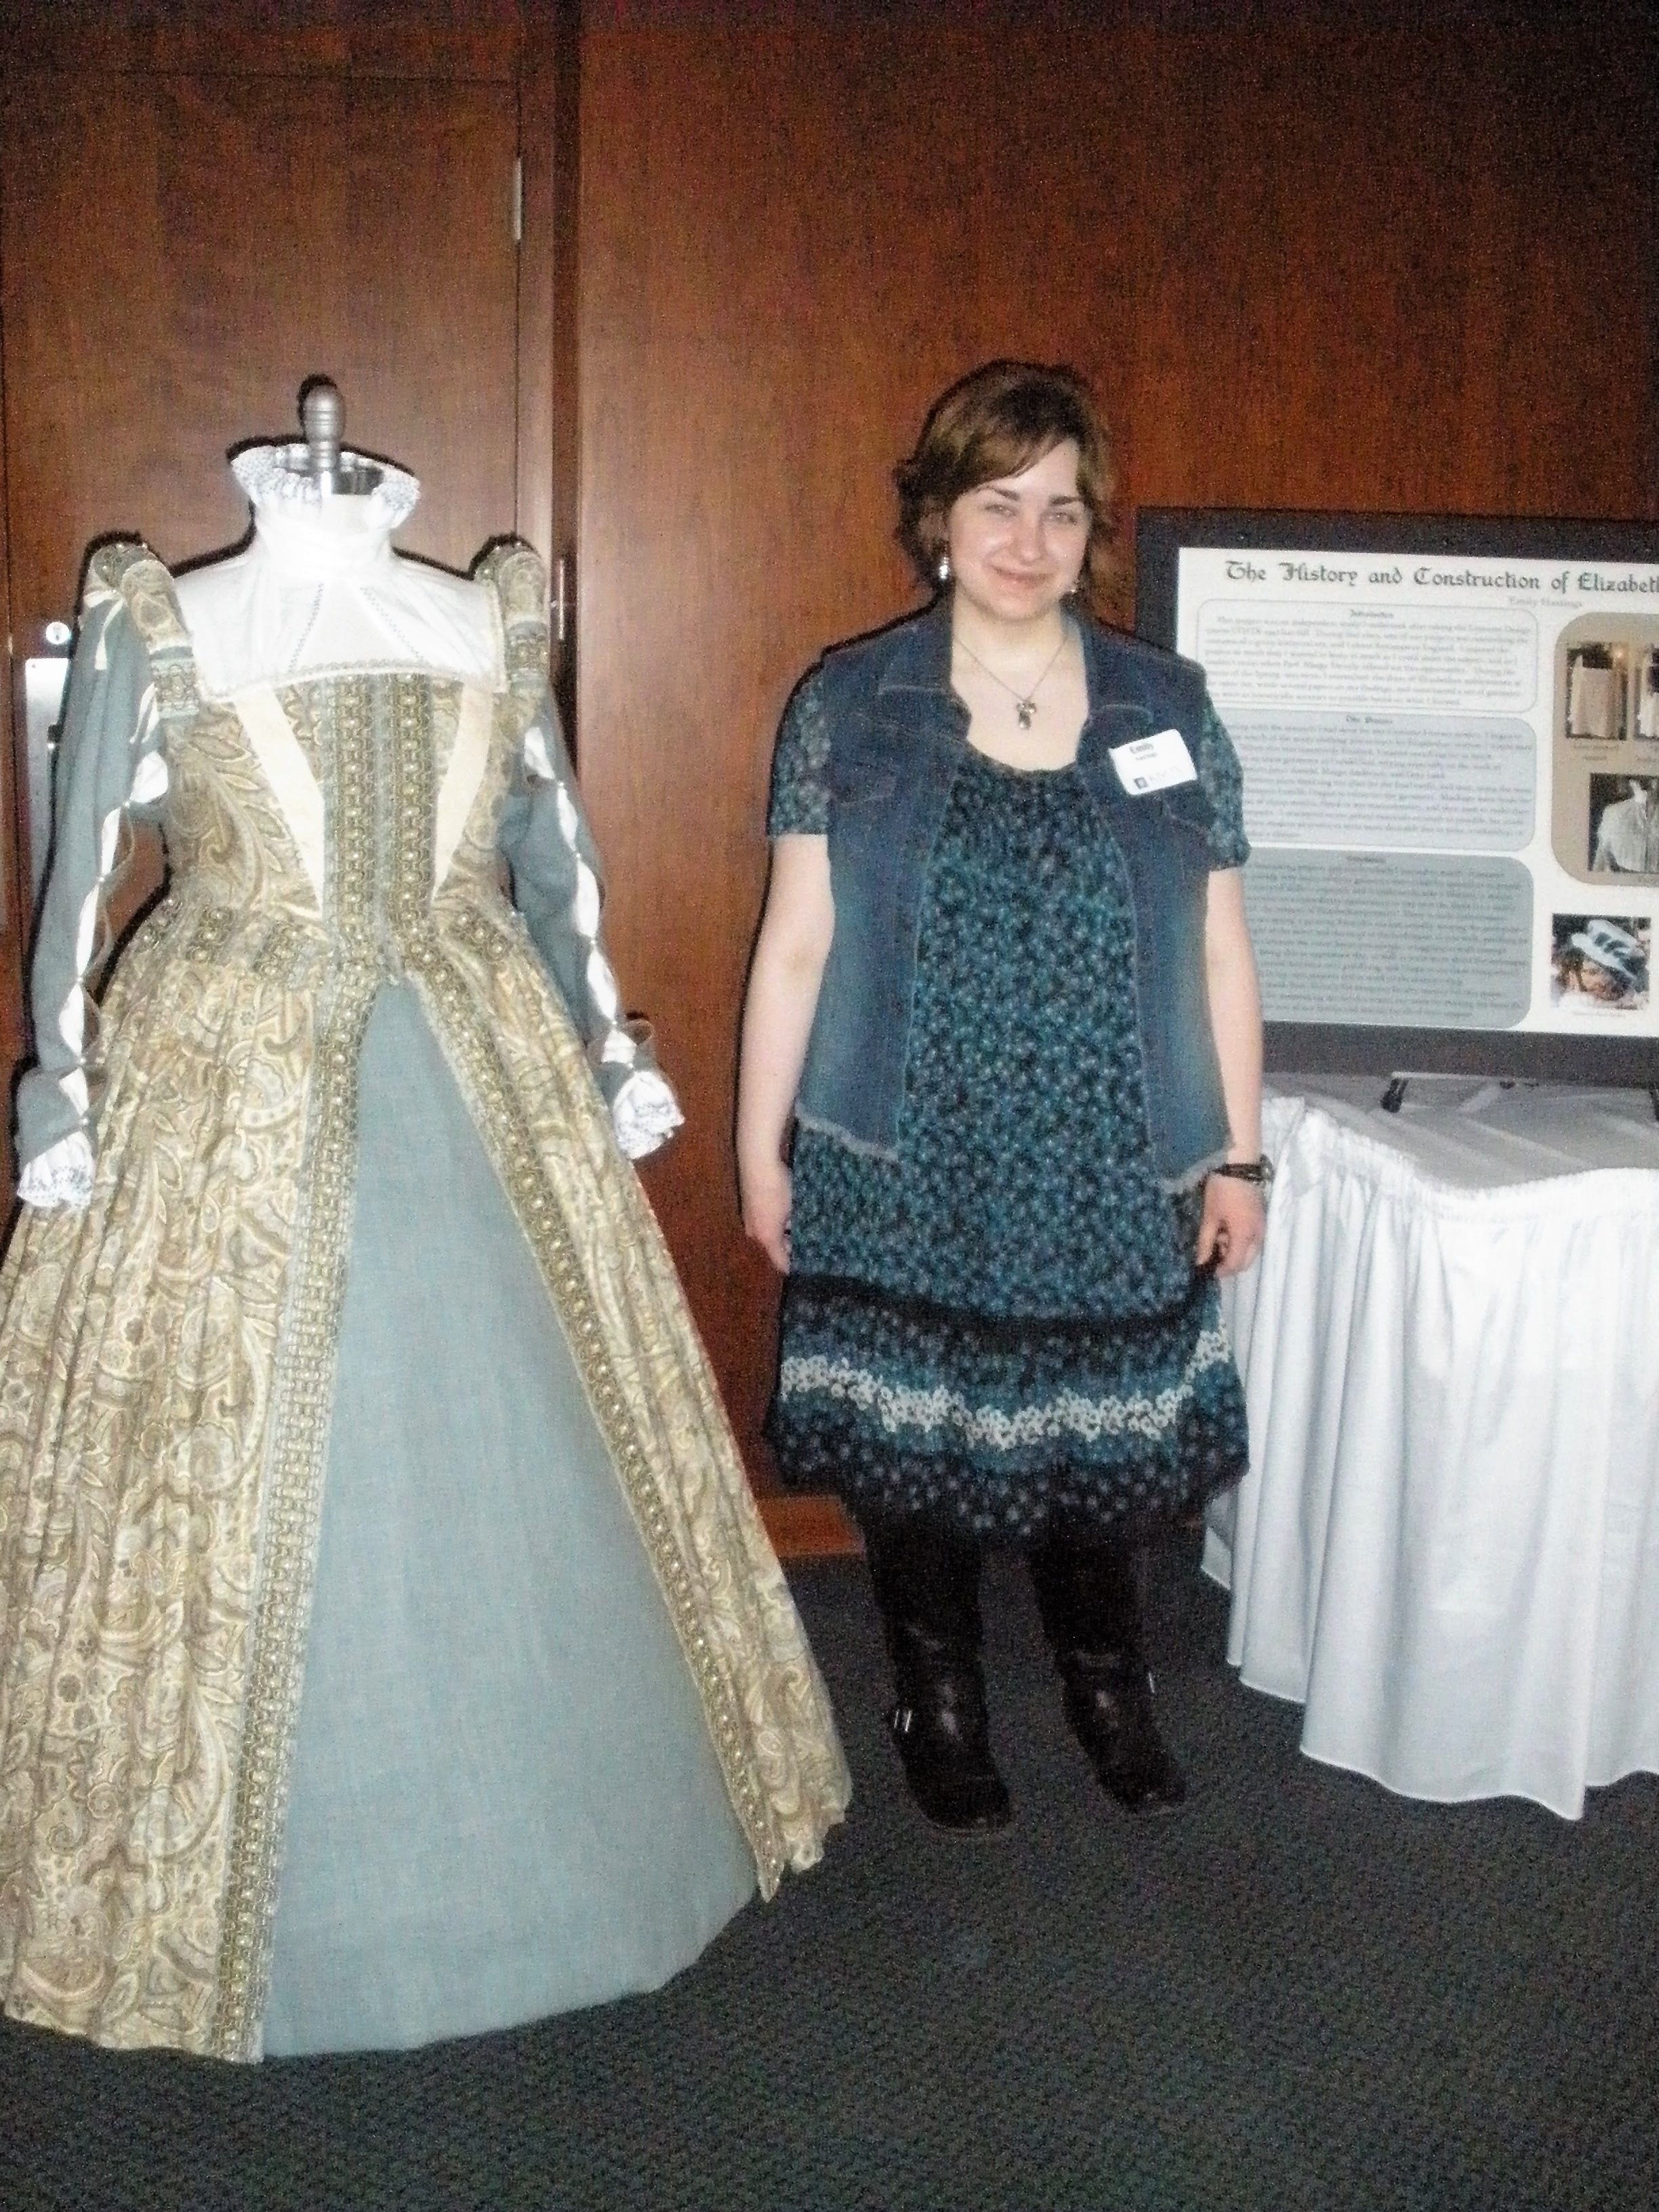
1024	702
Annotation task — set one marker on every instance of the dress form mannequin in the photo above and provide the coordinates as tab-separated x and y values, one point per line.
434	1672
320	586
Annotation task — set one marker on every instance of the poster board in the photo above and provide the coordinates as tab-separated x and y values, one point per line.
1450	732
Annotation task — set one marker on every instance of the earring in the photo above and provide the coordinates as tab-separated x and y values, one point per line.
945	567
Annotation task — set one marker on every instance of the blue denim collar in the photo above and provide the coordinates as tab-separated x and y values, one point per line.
922	660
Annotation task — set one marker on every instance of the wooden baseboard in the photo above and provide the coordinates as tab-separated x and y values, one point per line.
816	1527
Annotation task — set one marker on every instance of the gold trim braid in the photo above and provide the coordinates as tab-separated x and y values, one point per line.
303	1393
485	1085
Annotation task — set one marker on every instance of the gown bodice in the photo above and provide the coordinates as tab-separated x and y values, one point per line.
331	819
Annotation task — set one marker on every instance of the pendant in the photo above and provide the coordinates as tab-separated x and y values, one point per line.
1024	709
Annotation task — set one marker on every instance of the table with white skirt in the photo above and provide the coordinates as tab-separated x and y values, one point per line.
1447	1546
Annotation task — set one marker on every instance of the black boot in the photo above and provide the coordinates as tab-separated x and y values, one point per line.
1088	1595
927	1579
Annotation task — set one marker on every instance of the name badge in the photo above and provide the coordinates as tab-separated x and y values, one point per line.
1153	763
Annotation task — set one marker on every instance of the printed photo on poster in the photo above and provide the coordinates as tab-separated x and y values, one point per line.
1624	825
1601	960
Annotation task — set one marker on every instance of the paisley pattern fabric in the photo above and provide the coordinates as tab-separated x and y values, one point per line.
1003	1326
166	1356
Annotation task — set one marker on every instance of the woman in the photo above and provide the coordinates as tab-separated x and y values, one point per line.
1004	997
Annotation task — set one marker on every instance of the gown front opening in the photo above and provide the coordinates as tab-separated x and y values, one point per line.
389	1645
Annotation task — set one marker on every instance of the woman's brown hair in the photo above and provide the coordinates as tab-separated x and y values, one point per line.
994	422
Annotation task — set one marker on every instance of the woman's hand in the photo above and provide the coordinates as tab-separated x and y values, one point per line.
766	1192
777	1020
1235	1216
1234	1222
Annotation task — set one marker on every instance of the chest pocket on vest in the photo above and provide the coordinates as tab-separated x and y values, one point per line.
861	779
1186	817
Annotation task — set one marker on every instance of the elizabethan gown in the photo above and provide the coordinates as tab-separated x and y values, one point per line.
389	1645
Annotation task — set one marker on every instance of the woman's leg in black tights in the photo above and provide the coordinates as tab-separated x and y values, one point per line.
926	1572
1089	1593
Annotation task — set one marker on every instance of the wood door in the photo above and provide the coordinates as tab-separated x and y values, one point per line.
236	235
12	1033
207	211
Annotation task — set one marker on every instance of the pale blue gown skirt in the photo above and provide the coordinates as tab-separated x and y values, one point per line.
505	1801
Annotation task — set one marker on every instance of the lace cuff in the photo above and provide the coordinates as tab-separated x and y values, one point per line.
60	1177
645	1113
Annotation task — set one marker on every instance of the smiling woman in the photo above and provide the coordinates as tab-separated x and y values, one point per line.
1016	547
998	1109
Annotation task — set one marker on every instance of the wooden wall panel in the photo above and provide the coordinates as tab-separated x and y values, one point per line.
1305	262
549	115
476	39
1388	271
235	235
221	200
13	894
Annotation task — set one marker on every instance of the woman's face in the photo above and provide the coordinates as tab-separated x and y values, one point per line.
1599	982
1017	543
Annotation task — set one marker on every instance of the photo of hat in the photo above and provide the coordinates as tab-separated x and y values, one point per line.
1615	950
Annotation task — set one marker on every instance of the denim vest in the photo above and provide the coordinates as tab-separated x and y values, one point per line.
897	736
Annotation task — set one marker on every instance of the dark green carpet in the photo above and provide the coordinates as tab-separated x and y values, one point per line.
1300	1992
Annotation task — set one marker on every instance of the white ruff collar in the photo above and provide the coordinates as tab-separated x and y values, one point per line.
273	474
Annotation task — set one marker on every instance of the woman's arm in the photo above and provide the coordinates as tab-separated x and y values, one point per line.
777	1020
1234	1216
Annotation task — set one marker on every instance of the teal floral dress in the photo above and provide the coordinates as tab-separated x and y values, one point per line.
1004	1326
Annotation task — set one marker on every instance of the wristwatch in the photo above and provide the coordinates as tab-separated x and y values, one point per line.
1257	1171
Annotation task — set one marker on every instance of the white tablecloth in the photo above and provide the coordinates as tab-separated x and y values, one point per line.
1447	1547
